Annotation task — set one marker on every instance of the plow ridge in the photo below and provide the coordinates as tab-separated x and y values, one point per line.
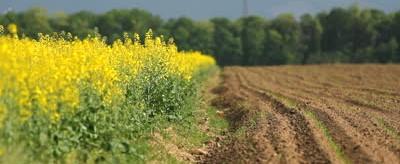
279	119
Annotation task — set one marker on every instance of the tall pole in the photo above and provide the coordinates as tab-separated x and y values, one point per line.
245	8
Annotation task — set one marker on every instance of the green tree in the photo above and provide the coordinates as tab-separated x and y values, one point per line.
59	22
287	26
340	35
387	52
227	45
34	21
180	29
201	37
274	51
337	26
383	26
252	37
395	26
190	35
311	36
115	22
81	24
362	34
9	17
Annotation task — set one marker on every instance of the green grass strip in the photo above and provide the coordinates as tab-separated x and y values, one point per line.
292	104
325	131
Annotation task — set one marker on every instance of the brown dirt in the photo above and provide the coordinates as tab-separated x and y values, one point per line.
359	105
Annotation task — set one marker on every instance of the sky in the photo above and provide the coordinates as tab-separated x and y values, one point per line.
198	9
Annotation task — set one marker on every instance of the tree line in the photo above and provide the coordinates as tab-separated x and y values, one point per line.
345	35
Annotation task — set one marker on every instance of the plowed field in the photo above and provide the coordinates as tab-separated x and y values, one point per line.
310	114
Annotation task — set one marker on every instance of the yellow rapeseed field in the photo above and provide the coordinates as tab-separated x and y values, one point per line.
46	76
73	100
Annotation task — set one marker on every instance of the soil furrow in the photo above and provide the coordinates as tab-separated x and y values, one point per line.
310	114
392	116
248	143
317	83
279	130
339	135
346	142
362	126
306	142
350	95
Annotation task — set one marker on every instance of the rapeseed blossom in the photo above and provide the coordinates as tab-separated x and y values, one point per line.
47	76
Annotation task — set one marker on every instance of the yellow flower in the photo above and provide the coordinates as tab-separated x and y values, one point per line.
12	28
48	74
55	117
1	152
25	114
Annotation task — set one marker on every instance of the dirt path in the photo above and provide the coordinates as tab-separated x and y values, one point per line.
286	115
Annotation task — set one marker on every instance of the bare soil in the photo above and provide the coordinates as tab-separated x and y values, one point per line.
356	111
